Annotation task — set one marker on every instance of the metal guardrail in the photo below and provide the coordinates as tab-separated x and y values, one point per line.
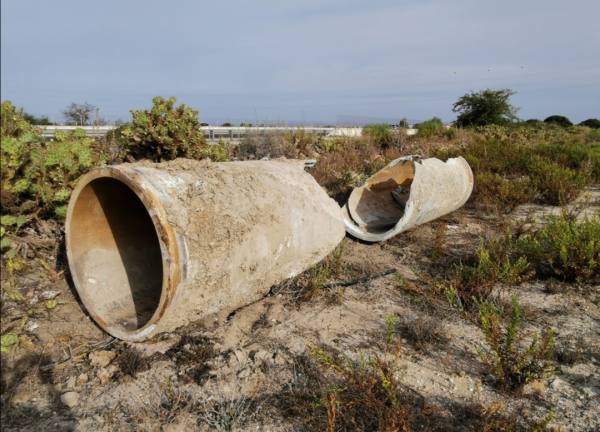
215	132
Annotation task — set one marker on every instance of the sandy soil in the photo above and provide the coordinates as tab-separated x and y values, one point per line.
231	375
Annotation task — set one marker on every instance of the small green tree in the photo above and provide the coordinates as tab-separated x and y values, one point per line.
164	132
558	120
485	107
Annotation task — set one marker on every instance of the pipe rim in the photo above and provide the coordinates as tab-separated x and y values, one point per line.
171	269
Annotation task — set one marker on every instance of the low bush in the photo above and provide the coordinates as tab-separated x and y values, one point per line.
511	364
219	152
164	132
495	261
37	176
263	145
430	127
379	135
564	248
362	396
553	183
500	193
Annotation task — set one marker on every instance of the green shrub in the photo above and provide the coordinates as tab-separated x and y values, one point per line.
564	248
591	123
430	127
511	364
495	261
13	122
503	194
559	120
37	177
379	134
554	183
164	132
219	152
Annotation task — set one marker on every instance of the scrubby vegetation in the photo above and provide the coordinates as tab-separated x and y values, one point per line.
164	132
430	127
519	164
563	247
513	163
512	364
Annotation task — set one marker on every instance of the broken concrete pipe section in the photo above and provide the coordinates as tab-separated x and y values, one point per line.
152	247
408	192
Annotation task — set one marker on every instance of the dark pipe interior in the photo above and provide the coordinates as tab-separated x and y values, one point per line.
115	254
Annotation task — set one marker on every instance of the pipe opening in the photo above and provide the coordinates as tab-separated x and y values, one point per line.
115	255
379	204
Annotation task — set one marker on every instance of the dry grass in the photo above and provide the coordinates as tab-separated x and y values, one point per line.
422	332
193	355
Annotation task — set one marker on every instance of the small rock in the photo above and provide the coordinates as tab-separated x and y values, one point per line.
534	388
105	374
71	382
49	295
21	396
244	373
101	358
31	326
70	399
557	384
407	273
82	379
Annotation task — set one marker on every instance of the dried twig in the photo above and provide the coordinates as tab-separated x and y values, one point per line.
362	279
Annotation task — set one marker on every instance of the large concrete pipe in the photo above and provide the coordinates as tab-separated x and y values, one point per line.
154	246
406	193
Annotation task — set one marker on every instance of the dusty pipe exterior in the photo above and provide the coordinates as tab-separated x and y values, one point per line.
406	193
154	246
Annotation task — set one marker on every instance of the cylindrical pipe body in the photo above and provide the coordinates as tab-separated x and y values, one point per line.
408	192
154	246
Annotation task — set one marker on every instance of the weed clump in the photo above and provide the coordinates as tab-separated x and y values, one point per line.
193	355
422	332
362	396
431	127
497	260
565	248
512	365
131	361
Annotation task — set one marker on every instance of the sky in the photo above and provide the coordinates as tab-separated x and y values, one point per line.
304	61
